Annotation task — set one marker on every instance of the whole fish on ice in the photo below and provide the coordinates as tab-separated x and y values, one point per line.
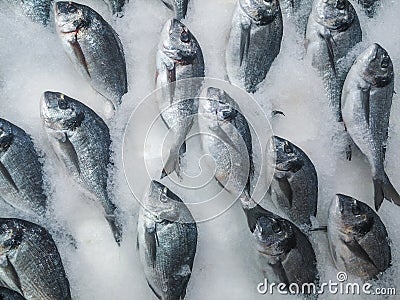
167	239
21	172
294	185
285	254
180	69
94	48
254	42
178	6
358	239
81	141
366	104
226	136
332	32
30	262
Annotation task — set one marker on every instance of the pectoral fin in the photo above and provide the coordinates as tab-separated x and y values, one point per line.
4	172
151	239
79	55
327	37
171	73
359	251
365	102
286	189
68	153
9	276
244	41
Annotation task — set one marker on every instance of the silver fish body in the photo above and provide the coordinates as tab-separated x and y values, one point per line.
167	240
94	48
366	104
178	6
37	10
254	42
294	185
285	253
226	137
21	172
6	294
358	239
30	261
116	6
81	141
180	67
332	32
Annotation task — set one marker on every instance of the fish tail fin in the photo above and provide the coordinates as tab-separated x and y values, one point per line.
383	189
174	161
116	228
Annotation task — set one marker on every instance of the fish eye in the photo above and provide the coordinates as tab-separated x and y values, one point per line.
341	4
71	8
62	104
288	149
385	62
276	227
185	37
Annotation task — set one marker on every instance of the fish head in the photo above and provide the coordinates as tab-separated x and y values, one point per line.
163	203
219	105
261	11
60	112
334	14
350	216
377	66
283	155
70	16
10	235
178	43
274	235
6	136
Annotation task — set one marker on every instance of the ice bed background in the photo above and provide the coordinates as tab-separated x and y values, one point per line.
32	60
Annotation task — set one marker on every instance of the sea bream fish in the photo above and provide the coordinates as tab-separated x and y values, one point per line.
30	263
21	172
332	32
285	254
294	185
167	240
94	48
366	104
358	239
178	6
37	10
81	140
180	69
226	137
7	294
254	42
